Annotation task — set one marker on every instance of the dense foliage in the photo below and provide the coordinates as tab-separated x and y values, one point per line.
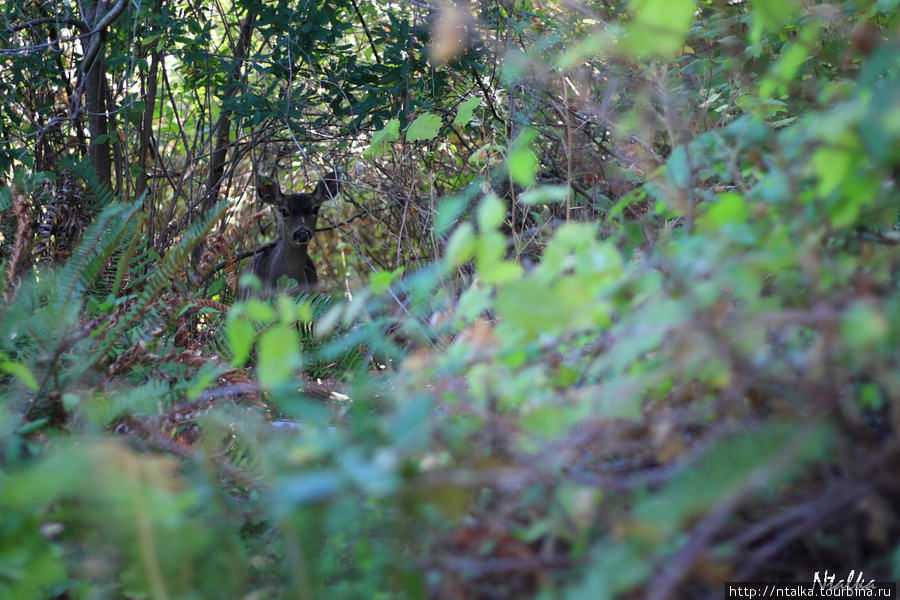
611	299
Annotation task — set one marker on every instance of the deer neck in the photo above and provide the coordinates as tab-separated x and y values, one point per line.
288	260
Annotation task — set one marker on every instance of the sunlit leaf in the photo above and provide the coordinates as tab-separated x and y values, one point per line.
771	14
279	355
240	334
491	213
466	111
382	138
863	325
461	246
522	161
659	27
729	207
20	371
426	127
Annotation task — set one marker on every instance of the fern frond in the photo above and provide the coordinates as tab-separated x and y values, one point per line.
162	276
99	195
93	252
143	400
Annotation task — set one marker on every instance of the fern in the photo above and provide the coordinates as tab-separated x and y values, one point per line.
161	277
327	357
97	245
140	400
99	195
113	231
127	255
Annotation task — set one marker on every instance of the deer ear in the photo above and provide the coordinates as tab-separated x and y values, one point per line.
328	188
268	191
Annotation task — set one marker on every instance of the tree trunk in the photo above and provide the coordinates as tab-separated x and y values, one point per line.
93	73
221	132
147	126
94	101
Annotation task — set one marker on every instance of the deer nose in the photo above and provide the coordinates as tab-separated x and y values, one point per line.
302	236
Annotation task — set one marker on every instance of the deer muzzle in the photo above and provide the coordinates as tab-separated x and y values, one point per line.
302	236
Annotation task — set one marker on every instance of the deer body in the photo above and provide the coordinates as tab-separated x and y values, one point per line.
285	261
297	215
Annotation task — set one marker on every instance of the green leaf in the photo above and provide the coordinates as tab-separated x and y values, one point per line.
21	371
70	401
474	301
678	167
864	326
523	163
545	194
381	281
770	15
461	246
305	488
659	27
240	334
259	310
832	165
381	139
450	209
426	127
489	260
729	207
466	111
787	67
491	213
613	568
551	421
279	355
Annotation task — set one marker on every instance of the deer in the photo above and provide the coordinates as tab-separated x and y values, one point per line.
296	215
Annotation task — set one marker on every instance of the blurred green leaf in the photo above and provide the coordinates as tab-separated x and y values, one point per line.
545	194
659	27
522	162
770	15
729	207
461	246
863	326
241	333
492	267
279	355
491	213
19	370
678	167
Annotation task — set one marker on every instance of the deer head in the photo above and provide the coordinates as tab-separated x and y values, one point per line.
297	215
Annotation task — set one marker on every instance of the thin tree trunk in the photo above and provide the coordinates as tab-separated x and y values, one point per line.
150	109
94	103
221	131
93	73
